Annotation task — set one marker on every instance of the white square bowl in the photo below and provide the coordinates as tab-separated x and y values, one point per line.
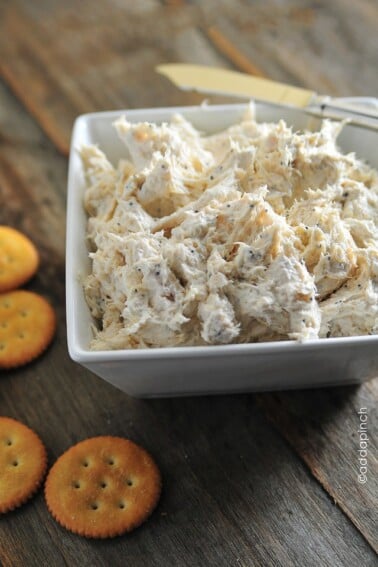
203	369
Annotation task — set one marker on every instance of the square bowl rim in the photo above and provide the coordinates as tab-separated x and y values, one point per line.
85	355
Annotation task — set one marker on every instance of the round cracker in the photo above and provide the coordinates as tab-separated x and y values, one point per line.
19	259
27	326
23	462
103	487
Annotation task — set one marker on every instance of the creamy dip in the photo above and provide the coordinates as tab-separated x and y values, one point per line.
256	233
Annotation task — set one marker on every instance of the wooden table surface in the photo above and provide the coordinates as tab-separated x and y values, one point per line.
265	479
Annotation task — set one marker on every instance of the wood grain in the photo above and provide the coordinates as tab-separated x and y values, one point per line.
232	53
322	427
90	71
269	479
110	66
327	47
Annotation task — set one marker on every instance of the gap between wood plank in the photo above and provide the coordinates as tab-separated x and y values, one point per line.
269	409
232	53
34	111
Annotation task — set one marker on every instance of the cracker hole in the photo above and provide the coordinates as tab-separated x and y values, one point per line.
129	482
76	484
8	442
6	304
111	461
122	505
2	346
4	324
94	506
24	313
85	464
21	335
15	463
103	484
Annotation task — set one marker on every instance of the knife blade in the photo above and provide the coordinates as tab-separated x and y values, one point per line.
223	81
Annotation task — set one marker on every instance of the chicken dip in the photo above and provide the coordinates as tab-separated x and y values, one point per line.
256	233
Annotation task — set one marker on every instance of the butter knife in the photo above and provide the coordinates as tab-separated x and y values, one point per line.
212	80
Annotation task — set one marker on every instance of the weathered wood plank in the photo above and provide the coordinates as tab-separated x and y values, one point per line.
82	71
73	77
230	450
323	428
228	494
328	47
